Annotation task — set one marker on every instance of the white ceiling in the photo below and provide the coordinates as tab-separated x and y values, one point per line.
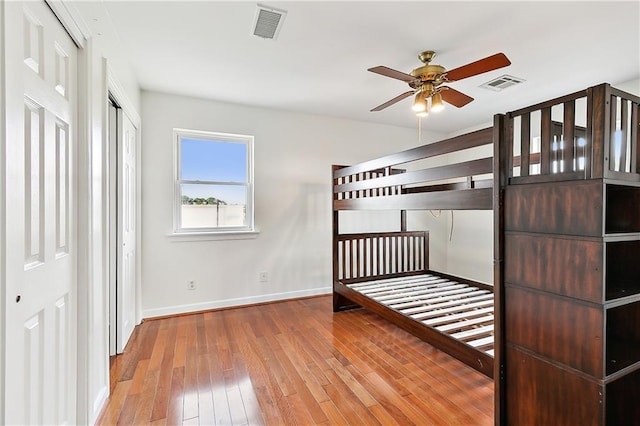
319	62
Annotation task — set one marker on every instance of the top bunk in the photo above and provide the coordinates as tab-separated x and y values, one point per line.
419	178
590	134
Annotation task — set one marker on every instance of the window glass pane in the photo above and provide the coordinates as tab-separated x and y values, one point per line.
213	206
217	161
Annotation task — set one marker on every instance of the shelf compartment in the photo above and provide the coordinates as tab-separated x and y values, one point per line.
622	398
622	269
623	337
621	209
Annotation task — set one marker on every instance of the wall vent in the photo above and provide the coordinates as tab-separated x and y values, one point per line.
502	82
268	22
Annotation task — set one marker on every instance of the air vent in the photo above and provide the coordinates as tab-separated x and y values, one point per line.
502	82
268	22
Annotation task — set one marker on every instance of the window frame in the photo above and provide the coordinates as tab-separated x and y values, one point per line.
214	232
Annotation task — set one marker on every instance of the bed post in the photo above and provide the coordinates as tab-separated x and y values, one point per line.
340	303
501	167
334	239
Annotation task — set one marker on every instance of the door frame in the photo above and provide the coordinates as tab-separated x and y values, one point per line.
110	186
125	108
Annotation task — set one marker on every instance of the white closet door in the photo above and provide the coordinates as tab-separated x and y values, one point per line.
40	213
126	280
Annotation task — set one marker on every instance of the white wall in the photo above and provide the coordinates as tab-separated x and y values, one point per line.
293	157
632	86
3	285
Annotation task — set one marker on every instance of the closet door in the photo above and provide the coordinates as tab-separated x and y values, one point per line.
126	270
40	248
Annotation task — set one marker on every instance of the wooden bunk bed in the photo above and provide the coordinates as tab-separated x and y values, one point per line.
389	272
564	186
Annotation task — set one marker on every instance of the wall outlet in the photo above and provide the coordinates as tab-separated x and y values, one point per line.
264	277
191	285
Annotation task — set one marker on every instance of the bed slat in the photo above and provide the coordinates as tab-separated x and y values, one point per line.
454	309
486	341
458	310
463	335
453	300
463	315
467	323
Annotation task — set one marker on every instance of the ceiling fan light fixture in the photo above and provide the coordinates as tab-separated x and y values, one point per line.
436	102
420	103
422	113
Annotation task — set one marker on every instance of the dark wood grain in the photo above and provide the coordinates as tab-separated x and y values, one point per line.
569	134
469	140
599	122
467	168
471	199
367	254
561	265
569	208
549	103
502	145
555	334
542	393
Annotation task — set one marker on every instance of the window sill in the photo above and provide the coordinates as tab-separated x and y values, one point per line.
212	236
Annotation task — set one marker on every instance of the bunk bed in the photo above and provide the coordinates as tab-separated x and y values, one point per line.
564	186
389	272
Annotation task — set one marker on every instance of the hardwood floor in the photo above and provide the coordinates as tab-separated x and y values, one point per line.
292	362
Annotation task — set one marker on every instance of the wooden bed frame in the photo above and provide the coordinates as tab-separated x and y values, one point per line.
577	200
379	184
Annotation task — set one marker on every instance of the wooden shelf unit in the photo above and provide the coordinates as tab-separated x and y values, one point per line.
570	338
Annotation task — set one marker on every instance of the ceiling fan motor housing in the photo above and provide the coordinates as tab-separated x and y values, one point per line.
428	74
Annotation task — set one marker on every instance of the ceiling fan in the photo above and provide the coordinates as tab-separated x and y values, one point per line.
426	81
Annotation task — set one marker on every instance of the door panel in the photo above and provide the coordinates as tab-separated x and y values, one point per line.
126	285
40	199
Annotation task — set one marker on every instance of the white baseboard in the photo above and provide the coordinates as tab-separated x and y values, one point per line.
228	303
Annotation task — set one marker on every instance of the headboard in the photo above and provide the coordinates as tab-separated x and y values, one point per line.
367	256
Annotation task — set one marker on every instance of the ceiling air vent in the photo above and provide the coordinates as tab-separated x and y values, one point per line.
502	82
268	22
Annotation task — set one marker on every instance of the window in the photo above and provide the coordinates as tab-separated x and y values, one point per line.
213	185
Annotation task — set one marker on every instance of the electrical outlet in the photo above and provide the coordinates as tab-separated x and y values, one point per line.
264	277
191	285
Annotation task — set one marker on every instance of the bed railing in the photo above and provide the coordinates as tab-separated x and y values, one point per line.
456	185
589	134
380	255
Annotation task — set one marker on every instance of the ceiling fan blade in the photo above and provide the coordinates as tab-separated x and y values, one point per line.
394	100
489	63
388	72
455	98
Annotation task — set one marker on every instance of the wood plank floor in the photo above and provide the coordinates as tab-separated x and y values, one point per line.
292	362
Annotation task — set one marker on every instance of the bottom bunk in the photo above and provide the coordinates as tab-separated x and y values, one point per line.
388	274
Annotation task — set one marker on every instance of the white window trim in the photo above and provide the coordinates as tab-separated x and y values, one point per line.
203	234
